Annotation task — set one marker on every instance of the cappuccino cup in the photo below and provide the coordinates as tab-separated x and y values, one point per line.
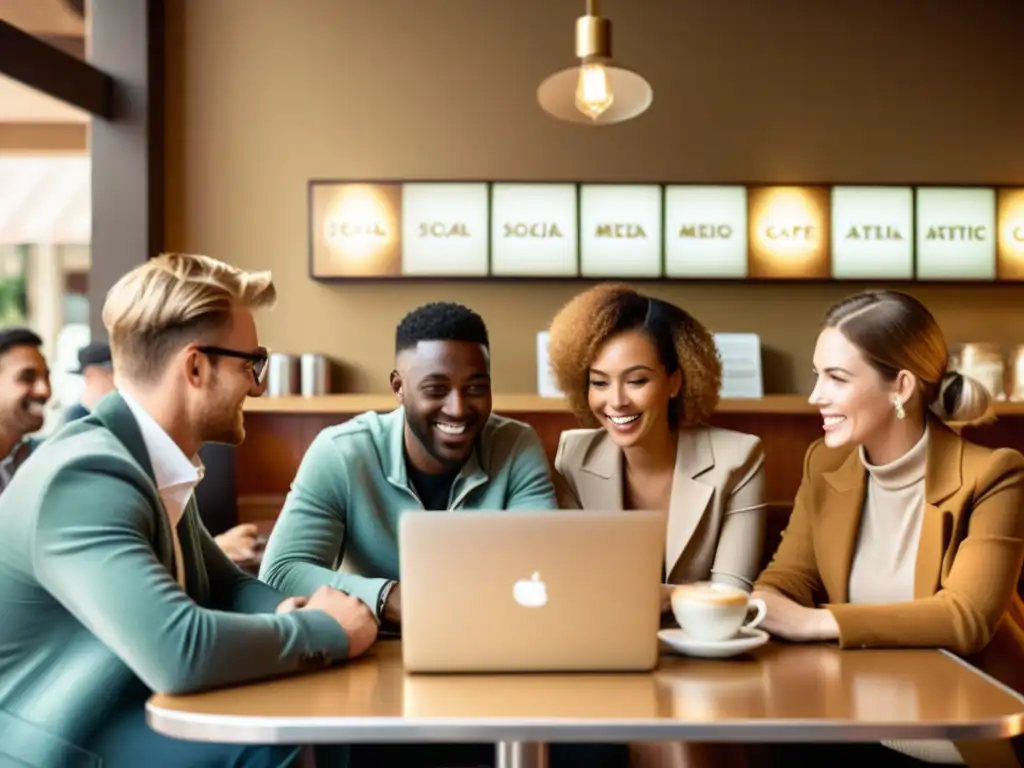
709	611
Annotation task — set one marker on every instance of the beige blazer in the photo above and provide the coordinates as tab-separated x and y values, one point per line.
716	514
968	558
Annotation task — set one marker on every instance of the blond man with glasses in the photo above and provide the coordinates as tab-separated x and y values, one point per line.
110	586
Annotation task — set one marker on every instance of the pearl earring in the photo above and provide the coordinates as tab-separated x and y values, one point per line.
900	413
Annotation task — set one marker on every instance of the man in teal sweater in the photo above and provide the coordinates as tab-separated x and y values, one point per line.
442	448
110	586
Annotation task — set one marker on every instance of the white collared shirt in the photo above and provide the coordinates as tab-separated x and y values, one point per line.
176	475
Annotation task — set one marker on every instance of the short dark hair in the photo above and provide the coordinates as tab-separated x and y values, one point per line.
440	321
18	337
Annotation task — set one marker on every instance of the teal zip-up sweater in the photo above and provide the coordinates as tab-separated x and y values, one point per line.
91	616
352	486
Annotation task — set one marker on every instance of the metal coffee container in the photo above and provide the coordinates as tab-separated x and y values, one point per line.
316	374
282	375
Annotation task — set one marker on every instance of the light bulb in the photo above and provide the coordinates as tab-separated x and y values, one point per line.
593	91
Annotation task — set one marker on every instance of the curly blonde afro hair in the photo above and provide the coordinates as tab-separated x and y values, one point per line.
591	318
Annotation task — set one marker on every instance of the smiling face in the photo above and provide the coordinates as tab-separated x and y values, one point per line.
629	390
24	389
856	402
445	387
229	381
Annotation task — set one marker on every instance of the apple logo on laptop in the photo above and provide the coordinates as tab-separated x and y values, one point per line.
531	593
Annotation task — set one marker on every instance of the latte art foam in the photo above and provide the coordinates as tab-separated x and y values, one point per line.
713	594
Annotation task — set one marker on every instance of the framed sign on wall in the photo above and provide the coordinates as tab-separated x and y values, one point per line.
872	233
956	233
566	230
534	230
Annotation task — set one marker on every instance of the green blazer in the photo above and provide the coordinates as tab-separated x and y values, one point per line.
352	486
91	617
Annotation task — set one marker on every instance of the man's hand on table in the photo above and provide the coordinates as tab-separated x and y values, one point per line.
792	621
350	612
290	604
239	543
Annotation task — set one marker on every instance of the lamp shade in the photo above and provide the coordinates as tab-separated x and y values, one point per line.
632	96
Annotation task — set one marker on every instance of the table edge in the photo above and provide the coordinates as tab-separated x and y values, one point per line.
247	729
276	730
993	681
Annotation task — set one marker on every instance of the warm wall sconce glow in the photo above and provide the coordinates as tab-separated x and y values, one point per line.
1010	226
358	224
357	231
789	232
596	92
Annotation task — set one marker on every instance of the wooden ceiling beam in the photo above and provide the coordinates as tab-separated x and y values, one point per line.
52	71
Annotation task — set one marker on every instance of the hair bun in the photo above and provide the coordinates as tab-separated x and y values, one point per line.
963	400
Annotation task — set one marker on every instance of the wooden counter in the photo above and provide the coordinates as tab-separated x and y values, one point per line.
280	429
351	404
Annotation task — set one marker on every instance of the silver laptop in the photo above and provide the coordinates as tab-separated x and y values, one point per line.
503	591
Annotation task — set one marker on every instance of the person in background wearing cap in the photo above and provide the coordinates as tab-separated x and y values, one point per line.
24	392
97	371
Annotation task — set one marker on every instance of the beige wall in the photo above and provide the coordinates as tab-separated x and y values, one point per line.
264	95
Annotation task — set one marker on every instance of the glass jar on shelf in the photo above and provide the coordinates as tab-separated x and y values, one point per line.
1016	388
984	362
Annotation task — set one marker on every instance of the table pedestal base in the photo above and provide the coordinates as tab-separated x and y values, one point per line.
521	754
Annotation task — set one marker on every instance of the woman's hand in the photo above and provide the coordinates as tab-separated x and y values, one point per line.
666	597
792	621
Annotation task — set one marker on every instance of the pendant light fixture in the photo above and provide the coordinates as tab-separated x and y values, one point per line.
596	92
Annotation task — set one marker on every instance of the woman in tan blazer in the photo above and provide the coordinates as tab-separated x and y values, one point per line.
645	375
903	534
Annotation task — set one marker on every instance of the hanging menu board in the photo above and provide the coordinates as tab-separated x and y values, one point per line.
872	233
956	233
567	230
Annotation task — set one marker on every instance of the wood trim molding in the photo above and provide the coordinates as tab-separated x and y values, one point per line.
17	138
528	403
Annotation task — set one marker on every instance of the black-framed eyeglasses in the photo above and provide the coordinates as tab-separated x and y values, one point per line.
257	358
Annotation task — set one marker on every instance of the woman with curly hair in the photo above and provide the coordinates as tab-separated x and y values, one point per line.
645	375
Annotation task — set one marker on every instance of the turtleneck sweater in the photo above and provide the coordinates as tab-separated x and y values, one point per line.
886	556
890	528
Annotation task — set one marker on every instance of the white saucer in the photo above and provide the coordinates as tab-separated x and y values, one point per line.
745	640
